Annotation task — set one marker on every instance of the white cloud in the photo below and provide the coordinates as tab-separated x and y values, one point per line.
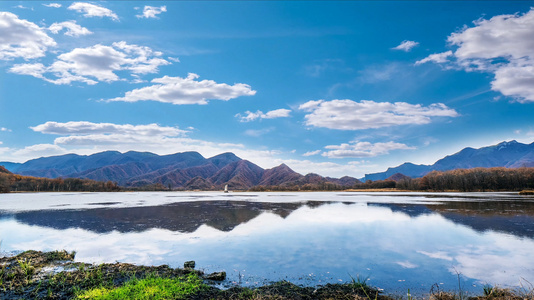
152	11
352	115
54	5
406	46
179	91
40	150
72	29
502	45
5	129
35	70
250	116
23	7
311	153
515	80
363	149
96	63
21	38
506	36
88	128
436	58
91	10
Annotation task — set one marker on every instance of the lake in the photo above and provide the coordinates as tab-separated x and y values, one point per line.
398	241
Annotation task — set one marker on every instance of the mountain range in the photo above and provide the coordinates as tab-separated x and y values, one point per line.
505	154
190	170
187	170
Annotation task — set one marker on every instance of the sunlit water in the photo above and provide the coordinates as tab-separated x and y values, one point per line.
399	241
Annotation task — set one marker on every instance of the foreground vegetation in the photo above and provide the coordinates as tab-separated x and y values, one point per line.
54	275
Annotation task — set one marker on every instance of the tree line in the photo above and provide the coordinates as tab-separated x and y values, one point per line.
464	180
472	180
14	183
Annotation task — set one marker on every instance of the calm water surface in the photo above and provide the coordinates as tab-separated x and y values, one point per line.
399	241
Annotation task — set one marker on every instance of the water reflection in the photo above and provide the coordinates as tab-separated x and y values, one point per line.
400	245
181	216
510	217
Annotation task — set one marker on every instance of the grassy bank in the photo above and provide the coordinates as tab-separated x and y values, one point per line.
54	275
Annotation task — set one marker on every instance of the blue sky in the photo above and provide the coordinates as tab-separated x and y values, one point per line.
335	88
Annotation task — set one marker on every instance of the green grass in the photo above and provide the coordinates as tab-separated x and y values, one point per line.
360	284
151	287
26	267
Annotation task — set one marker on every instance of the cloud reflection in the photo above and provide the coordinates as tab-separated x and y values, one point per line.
329	240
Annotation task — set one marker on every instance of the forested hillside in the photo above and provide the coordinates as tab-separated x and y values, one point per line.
10	182
472	180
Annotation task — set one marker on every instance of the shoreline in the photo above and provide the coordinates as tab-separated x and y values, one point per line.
55	275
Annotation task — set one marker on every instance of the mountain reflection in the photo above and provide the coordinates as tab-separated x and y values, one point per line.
182	217
509	217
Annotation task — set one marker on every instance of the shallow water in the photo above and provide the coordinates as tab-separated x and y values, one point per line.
399	241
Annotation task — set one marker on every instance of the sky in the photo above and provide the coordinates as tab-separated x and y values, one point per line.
334	88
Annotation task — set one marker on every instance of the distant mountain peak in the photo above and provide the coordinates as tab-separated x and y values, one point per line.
283	166
508	143
505	144
510	154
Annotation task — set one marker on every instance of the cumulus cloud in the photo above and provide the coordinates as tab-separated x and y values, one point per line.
502	45
97	63
54	5
86	128
72	29
40	150
406	46
35	70
91	10
363	149
352	115
179	91
21	38
83	133
152	11
273	114
436	58
311	153
5	129
515	80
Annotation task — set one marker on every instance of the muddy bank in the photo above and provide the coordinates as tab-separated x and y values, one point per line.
55	275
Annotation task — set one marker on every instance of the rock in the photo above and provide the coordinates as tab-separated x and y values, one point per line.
189	264
217	276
